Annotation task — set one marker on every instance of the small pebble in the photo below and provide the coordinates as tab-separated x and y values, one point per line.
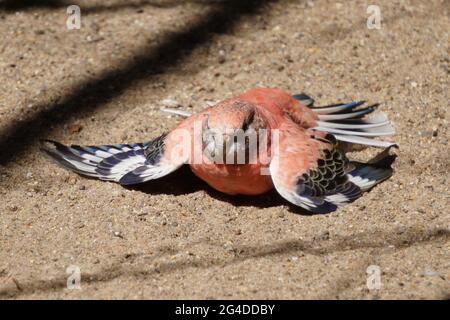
74	128
222	57
435	132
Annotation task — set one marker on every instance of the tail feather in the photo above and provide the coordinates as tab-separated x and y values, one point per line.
354	127
349	123
335	108
359	130
351	115
357	140
182	113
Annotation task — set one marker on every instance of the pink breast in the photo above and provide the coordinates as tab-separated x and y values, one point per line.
234	179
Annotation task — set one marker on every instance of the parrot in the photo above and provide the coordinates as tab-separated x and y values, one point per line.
249	144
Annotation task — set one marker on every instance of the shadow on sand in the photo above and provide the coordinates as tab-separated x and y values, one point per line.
144	64
126	266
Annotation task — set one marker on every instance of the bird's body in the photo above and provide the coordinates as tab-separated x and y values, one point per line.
250	143
276	109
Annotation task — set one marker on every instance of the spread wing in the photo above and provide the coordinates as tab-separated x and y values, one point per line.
310	171
123	163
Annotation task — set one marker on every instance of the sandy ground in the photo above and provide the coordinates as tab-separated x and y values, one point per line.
177	238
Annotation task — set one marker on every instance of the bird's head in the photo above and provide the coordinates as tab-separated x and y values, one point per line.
231	133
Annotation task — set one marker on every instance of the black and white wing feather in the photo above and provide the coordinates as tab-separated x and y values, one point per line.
123	163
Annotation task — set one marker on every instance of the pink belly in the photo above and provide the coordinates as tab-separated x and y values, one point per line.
234	179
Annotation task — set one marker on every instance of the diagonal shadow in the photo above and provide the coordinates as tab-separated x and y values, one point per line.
317	247
15	5
91	94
